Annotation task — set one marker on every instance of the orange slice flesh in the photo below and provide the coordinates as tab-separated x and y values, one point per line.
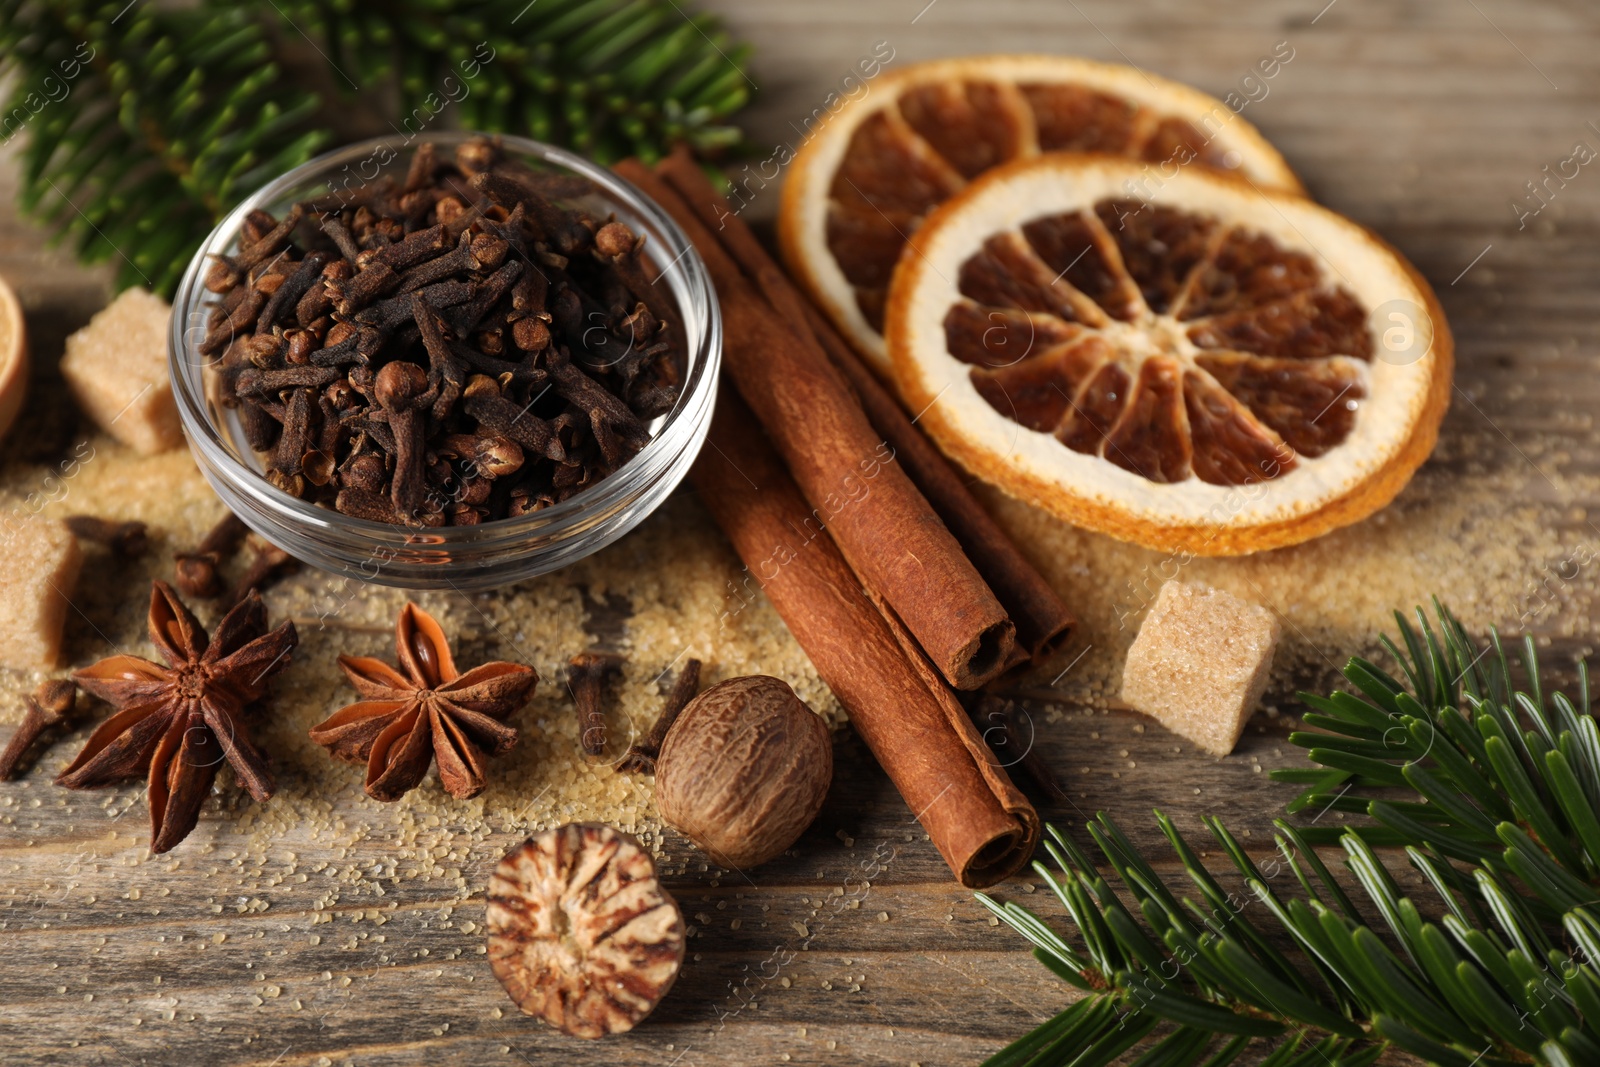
1212	369
865	179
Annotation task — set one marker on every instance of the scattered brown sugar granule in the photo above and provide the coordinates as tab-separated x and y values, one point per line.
38	574
1200	663
116	368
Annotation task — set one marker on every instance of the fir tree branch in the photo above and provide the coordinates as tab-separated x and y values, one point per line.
1503	778
145	124
610	78
169	117
1502	830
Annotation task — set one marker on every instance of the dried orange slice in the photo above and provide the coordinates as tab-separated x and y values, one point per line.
1212	369
868	174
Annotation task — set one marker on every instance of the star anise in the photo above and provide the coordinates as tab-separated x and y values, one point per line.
425	711
179	722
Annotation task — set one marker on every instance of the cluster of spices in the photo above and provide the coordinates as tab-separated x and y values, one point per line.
467	346
929	595
463	347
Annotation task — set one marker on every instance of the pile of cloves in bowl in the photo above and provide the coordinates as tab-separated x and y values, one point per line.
467	346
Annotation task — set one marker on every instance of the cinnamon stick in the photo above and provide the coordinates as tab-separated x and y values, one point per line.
1044	623
882	524
981	823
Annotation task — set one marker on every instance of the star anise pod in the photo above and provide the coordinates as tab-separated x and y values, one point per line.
179	722
425	711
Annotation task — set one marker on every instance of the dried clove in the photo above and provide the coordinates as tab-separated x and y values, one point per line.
295	440
459	261
339	234
618	247
240	319
587	674
293	288
464	318
424	166
641	757
488	455
196	572
417	247
360	502
401	390
270	563
497	415
252	383
126	539
50	705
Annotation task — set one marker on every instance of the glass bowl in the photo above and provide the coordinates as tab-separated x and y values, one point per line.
451	557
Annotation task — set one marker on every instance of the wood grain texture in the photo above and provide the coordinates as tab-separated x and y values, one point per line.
1420	119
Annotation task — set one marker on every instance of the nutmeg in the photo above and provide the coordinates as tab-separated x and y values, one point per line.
581	934
744	770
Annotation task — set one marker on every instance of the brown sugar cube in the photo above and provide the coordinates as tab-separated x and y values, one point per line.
1200	663
38	573
116	368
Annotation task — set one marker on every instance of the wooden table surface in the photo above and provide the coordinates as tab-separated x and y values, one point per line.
1423	119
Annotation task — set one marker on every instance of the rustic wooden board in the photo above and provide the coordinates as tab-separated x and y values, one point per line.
1421	120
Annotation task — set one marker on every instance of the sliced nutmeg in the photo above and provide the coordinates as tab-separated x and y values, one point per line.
581	934
744	770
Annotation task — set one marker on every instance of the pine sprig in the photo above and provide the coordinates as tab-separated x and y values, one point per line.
169	117
1502	830
611	78
146	123
1509	780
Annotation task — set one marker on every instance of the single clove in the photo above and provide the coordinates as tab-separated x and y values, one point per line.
126	539
401	390
618	247
288	294
486	455
587	674
253	383
641	757
270	562
504	418
417	247
295	439
50	705
197	571
465	317
458	260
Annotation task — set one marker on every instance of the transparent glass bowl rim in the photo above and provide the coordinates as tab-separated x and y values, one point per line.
187	366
